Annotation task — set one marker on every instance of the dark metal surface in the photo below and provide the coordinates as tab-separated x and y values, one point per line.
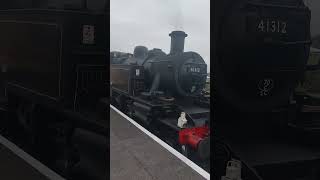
94	150
247	56
94	5
34	59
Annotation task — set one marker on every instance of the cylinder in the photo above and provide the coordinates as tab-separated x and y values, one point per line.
177	41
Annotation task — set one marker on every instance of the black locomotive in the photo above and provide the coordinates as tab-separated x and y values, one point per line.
262	49
54	71
157	89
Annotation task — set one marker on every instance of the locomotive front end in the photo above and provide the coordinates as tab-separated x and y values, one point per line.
191	69
180	73
263	49
192	74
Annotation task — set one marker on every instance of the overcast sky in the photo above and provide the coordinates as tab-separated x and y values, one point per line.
149	22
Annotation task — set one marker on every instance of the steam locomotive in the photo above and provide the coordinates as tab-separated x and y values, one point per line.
54	74
162	91
261	51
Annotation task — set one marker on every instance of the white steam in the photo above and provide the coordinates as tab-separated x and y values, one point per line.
174	13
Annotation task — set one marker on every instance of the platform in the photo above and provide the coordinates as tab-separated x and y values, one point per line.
16	164
134	155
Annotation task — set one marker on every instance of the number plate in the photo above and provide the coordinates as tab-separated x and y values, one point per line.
269	25
195	69
88	34
272	26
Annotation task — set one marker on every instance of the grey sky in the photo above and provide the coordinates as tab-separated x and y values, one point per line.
149	22
314	5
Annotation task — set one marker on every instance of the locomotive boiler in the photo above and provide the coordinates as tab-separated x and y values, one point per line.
158	89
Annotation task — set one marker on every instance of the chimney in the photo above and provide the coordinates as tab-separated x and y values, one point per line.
177	41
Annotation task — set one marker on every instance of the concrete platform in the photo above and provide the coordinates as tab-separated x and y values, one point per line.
135	156
16	164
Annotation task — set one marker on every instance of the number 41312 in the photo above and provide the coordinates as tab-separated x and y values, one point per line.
273	26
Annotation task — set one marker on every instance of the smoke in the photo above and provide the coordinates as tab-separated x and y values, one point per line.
177	19
174	14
